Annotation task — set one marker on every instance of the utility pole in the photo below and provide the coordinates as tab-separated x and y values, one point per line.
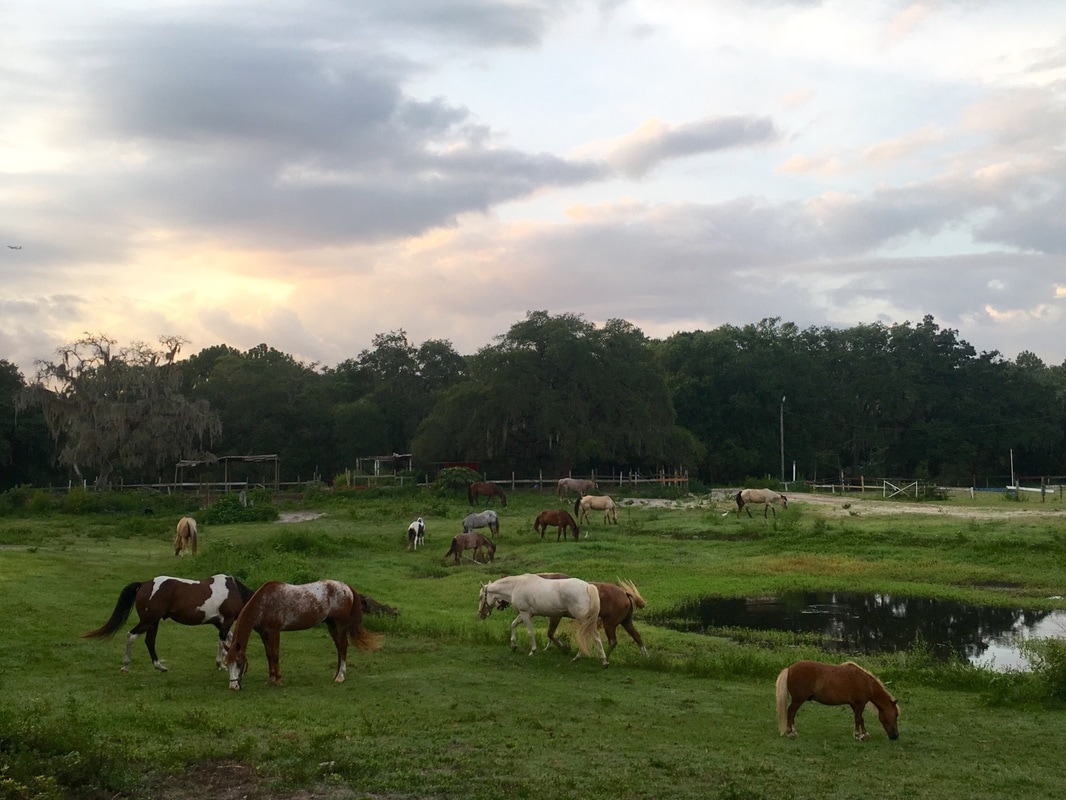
782	440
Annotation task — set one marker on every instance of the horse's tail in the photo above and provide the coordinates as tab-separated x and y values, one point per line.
577	507
630	588
125	602
781	693
586	626
192	534
452	549
740	500
470	493
358	635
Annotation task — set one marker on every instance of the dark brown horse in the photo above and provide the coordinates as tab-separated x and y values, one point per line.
217	600
470	541
277	607
560	518
617	603
488	489
833	685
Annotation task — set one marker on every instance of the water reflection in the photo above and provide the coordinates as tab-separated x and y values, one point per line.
875	623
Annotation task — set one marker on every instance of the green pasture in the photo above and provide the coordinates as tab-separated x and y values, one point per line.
445	710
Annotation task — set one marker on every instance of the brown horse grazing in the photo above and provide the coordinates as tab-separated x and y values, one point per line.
833	685
765	496
217	600
560	518
579	485
185	538
617	603
470	541
277	607
485	489
596	502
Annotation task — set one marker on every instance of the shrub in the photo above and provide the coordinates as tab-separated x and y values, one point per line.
227	510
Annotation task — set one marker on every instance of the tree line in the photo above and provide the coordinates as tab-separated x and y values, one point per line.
555	394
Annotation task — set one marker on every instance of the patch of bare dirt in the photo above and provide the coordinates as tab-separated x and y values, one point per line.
229	780
300	516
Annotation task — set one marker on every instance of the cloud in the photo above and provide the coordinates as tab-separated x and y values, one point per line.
655	141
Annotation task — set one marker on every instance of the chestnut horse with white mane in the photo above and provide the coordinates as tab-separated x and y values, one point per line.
185	536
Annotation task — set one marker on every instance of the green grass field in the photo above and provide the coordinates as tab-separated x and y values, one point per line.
445	709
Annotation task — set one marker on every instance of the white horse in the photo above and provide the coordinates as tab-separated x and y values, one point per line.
482	519
579	485
768	497
536	596
597	502
416	534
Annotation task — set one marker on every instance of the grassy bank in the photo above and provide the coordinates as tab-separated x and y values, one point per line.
445	709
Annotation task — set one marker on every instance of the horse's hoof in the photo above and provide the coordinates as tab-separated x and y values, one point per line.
124	670
791	734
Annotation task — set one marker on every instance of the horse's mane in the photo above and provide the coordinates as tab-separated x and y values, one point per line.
873	678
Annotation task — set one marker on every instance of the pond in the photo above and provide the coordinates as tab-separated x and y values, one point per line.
876	623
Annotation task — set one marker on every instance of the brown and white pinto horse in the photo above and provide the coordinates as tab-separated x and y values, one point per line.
833	685
185	538
768	497
487	489
470	541
277	607
560	518
617	603
596	502
217	600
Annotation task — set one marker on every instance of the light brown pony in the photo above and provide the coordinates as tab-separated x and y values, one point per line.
470	541
617	603
834	685
485	489
597	502
277	607
185	539
217	600
756	496
560	518
579	485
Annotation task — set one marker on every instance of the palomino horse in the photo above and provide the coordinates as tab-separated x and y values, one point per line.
482	519
560	518
185	538
765	496
217	600
617	603
579	485
597	502
277	607
532	595
470	541
833	685
416	534
485	489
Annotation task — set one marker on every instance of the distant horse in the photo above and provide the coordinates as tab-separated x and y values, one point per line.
833	685
185	538
217	600
416	534
485	489
482	519
596	502
765	496
533	596
470	541
579	485
277	607
560	518
617	603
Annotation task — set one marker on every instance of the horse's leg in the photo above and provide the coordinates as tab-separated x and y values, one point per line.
528	619
860	725
632	631
553	623
149	641
223	632
612	637
790	729
131	637
272	645
340	639
514	625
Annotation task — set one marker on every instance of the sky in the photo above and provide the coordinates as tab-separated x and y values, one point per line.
309	174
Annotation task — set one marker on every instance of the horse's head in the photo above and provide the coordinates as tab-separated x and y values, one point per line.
784	501
237	661
484	607
889	716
